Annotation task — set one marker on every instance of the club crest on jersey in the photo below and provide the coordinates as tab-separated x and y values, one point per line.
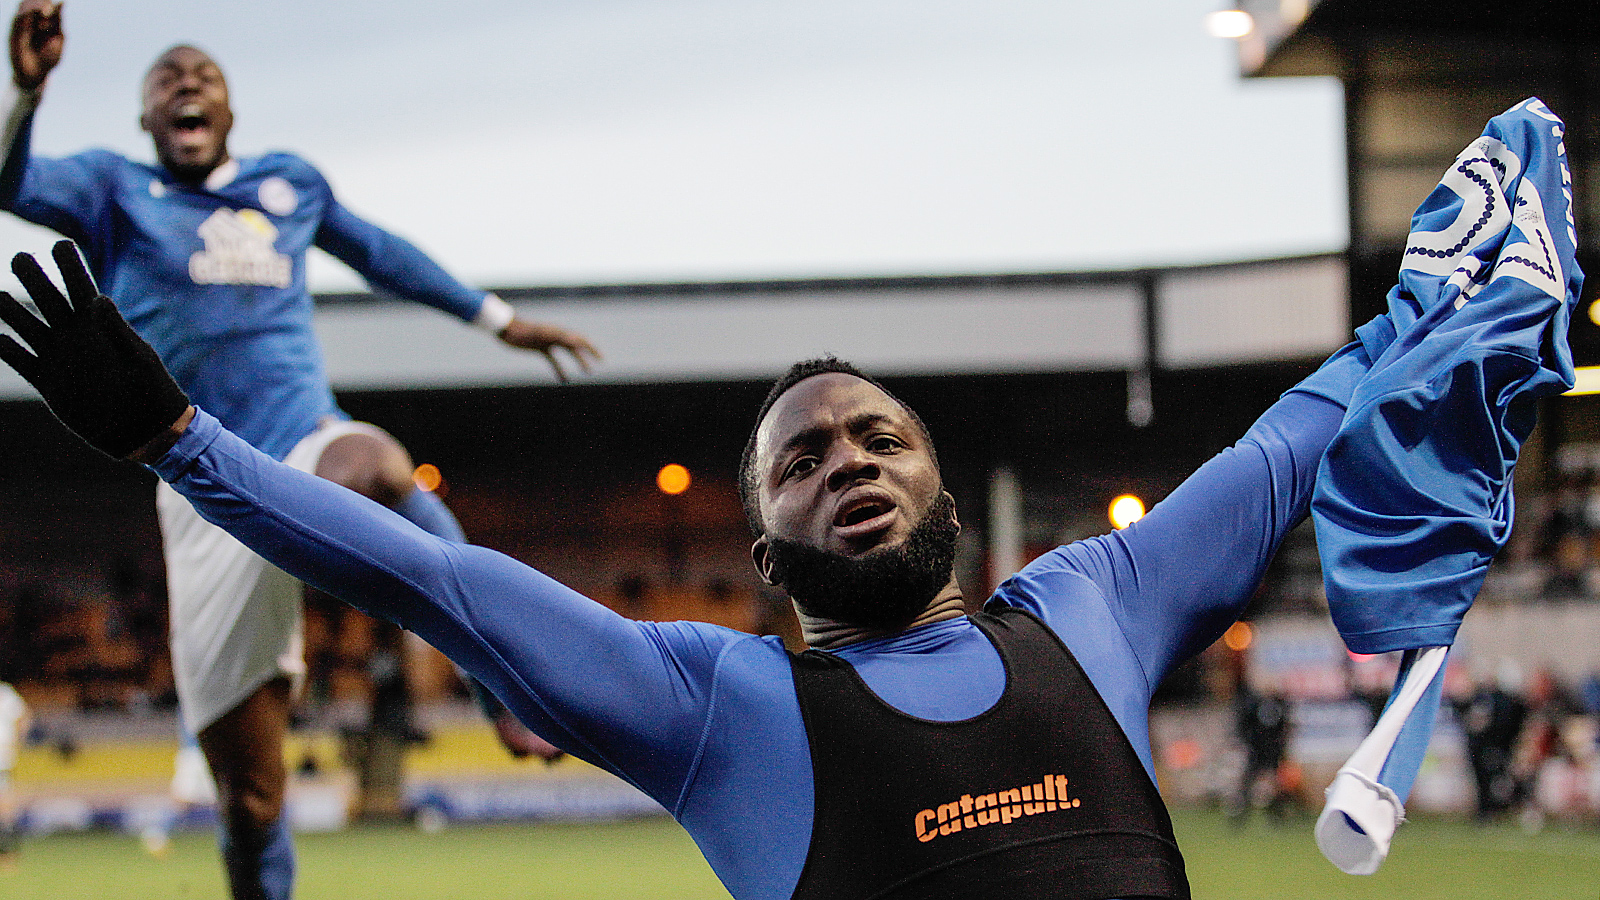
239	250
277	196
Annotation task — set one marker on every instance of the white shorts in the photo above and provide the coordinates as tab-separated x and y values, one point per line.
236	621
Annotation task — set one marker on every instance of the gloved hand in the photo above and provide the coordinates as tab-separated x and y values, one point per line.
97	376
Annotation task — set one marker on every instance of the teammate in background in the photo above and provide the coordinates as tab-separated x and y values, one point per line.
206	255
14	723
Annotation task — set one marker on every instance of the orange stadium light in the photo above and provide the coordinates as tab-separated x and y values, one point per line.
673	479
428	477
1586	382
1238	637
1125	510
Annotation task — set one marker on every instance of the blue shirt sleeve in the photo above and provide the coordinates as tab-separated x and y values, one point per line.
1173	581
631	697
392	263
70	195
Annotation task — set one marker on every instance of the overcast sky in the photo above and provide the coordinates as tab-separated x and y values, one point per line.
529	142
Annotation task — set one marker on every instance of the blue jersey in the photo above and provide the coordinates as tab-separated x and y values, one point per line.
1409	514
214	276
705	719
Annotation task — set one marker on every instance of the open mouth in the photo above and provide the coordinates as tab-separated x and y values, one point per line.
858	514
190	119
864	515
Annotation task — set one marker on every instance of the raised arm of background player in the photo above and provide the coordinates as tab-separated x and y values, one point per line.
71	203
36	43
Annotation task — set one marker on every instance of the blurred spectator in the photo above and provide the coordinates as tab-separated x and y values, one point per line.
634	592
1589	693
1571	567
1492	720
378	751
1570	507
1549	706
1262	724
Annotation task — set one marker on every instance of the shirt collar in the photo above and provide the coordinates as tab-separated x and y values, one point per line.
222	175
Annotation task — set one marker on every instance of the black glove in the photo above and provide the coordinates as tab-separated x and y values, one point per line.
99	378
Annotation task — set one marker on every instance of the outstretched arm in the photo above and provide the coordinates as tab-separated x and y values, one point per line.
36	45
1174	580
632	697
625	695
68	195
1187	570
546	338
394	264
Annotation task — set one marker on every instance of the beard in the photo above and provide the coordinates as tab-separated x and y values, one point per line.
882	589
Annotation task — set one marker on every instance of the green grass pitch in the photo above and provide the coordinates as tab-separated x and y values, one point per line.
654	859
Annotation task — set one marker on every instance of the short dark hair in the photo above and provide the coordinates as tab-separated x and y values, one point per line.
162	57
749	494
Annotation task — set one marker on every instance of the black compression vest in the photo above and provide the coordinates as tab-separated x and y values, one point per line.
1041	796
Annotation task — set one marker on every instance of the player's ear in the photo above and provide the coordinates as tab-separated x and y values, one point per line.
760	554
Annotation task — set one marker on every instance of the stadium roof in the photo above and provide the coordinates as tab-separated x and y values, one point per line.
1304	37
1167	318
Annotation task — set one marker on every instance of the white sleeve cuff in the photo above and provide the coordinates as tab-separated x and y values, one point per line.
22	99
494	315
1358	823
16	105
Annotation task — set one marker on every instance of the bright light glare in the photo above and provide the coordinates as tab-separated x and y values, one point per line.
428	477
1229	23
1586	382
1126	510
1238	637
672	479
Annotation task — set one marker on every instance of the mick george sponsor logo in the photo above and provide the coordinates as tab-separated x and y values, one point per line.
239	249
971	811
